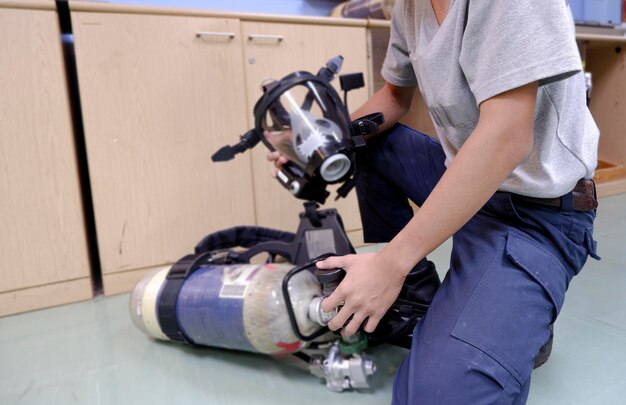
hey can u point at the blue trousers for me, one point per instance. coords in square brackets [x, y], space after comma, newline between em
[510, 267]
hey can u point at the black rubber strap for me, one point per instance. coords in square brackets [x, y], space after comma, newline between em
[368, 123]
[174, 281]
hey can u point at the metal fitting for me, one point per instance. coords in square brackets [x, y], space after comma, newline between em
[342, 373]
[317, 315]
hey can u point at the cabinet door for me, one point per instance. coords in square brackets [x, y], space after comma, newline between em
[273, 50]
[158, 100]
[43, 250]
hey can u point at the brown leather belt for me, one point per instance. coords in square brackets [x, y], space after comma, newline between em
[581, 198]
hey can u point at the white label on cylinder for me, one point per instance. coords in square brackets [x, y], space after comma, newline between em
[236, 280]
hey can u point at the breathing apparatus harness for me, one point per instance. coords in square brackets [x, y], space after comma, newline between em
[225, 248]
[340, 361]
[303, 117]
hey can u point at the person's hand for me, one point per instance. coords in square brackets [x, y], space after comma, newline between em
[367, 291]
[278, 159]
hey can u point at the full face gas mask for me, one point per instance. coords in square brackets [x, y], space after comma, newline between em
[302, 117]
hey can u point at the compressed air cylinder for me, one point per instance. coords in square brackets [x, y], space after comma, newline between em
[238, 307]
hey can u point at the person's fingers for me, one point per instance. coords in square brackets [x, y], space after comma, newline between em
[353, 325]
[371, 323]
[280, 161]
[333, 301]
[273, 155]
[336, 298]
[333, 262]
[340, 319]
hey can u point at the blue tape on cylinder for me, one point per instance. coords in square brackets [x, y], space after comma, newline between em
[208, 319]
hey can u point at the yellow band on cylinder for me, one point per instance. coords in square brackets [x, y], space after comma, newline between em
[148, 304]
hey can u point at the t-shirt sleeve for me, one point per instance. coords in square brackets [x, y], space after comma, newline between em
[397, 68]
[507, 44]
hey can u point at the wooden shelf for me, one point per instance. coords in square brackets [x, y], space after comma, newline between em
[607, 171]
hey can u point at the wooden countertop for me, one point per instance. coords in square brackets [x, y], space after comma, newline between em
[29, 4]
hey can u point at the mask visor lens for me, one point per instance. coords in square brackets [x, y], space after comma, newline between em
[305, 121]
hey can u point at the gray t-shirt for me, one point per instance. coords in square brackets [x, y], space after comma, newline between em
[487, 47]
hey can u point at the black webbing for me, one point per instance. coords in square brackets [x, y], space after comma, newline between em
[166, 311]
[242, 236]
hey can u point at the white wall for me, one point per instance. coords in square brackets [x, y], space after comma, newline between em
[298, 7]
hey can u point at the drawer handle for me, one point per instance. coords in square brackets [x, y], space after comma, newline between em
[202, 34]
[278, 38]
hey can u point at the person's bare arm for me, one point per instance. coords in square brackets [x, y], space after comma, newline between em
[501, 141]
[393, 101]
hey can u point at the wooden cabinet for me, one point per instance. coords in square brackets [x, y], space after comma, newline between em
[161, 91]
[160, 94]
[43, 250]
[605, 58]
[273, 50]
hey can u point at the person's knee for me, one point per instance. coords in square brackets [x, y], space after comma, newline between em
[453, 373]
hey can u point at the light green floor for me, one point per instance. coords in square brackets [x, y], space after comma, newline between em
[90, 353]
